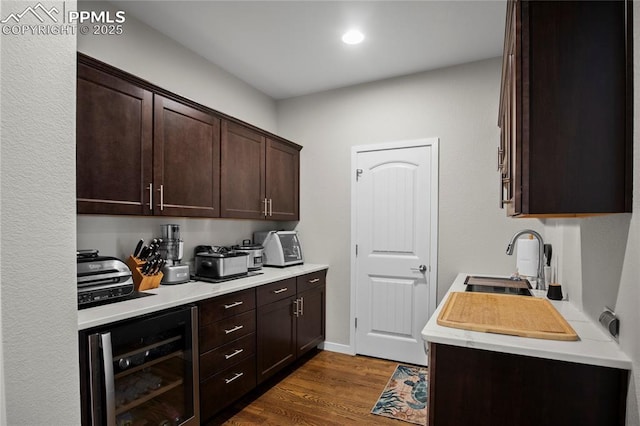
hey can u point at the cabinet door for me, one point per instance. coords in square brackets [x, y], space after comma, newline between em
[221, 390]
[276, 337]
[596, 395]
[310, 330]
[570, 113]
[186, 154]
[242, 178]
[113, 144]
[311, 319]
[282, 181]
[509, 108]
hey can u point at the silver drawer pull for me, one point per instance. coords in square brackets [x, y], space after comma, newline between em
[236, 352]
[233, 305]
[315, 280]
[282, 290]
[236, 377]
[236, 328]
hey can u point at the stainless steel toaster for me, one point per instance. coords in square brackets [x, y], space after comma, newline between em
[281, 248]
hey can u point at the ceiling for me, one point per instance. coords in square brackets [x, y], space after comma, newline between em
[293, 48]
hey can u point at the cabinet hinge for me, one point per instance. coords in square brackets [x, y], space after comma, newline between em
[358, 174]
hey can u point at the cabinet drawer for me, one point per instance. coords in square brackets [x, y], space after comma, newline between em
[225, 306]
[227, 330]
[312, 280]
[220, 390]
[227, 355]
[276, 291]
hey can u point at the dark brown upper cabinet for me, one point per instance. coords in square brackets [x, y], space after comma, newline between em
[142, 150]
[282, 180]
[242, 178]
[260, 175]
[186, 156]
[566, 109]
[114, 129]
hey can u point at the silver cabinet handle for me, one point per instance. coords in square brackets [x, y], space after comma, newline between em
[150, 188]
[302, 306]
[500, 163]
[282, 290]
[161, 190]
[270, 206]
[421, 268]
[236, 377]
[295, 307]
[265, 206]
[233, 305]
[236, 352]
[315, 280]
[234, 329]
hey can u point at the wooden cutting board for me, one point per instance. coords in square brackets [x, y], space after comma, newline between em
[505, 314]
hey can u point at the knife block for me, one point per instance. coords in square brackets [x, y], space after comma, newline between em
[142, 282]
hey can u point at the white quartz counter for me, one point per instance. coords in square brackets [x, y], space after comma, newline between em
[595, 347]
[165, 297]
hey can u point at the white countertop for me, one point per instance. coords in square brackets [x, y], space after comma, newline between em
[595, 347]
[165, 297]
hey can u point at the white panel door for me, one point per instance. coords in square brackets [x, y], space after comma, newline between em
[394, 198]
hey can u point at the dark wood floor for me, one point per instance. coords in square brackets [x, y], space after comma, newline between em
[328, 389]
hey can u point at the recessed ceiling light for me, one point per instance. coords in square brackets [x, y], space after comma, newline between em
[353, 37]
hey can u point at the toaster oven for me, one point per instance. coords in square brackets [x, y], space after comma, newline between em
[281, 248]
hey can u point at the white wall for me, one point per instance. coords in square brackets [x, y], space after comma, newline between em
[3, 410]
[37, 182]
[459, 105]
[602, 258]
[148, 54]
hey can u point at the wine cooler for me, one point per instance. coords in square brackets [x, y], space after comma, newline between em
[142, 371]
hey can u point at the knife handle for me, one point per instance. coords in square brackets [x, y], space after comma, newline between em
[138, 248]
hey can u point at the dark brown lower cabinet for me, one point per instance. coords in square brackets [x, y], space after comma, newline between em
[291, 321]
[227, 350]
[276, 333]
[248, 336]
[479, 387]
[310, 330]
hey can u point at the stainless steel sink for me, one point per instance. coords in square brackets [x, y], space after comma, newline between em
[498, 285]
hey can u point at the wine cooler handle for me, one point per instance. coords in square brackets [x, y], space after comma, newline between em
[100, 348]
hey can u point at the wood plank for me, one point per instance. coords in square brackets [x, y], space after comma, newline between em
[505, 314]
[328, 389]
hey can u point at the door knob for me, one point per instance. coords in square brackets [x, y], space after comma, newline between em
[421, 268]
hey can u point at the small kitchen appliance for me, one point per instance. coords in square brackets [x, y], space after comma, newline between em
[214, 262]
[101, 279]
[254, 251]
[281, 248]
[172, 249]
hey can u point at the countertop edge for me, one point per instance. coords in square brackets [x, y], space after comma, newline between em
[167, 297]
[608, 353]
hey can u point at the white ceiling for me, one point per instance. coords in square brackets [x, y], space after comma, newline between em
[292, 48]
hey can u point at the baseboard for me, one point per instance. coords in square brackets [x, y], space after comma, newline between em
[337, 347]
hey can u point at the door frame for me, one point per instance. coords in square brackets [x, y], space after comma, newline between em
[432, 275]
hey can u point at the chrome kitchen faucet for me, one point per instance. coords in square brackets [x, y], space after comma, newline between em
[540, 278]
